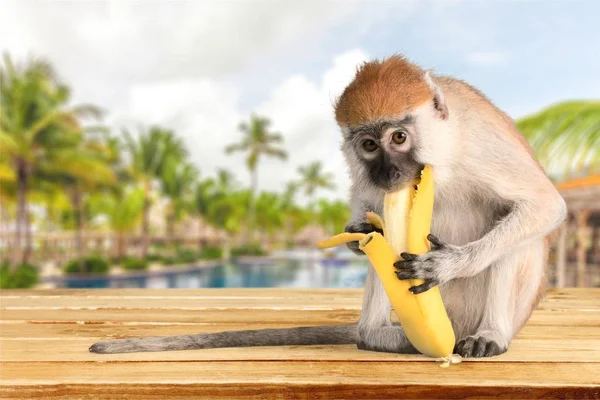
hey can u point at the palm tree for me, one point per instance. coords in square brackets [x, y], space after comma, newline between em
[79, 169]
[313, 178]
[204, 194]
[35, 122]
[257, 141]
[333, 215]
[177, 179]
[123, 208]
[269, 212]
[565, 137]
[148, 156]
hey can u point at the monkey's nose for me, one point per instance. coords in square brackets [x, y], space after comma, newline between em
[394, 173]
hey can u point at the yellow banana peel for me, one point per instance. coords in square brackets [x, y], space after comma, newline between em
[406, 224]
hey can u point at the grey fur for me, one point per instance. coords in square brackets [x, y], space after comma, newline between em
[493, 207]
[337, 334]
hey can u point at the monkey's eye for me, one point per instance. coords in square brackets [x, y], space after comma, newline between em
[399, 137]
[369, 145]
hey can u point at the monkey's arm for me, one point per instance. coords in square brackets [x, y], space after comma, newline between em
[536, 209]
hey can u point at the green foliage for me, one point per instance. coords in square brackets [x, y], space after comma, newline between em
[248, 250]
[168, 260]
[87, 265]
[153, 257]
[123, 208]
[257, 141]
[565, 137]
[313, 178]
[24, 276]
[185, 256]
[38, 129]
[211, 253]
[134, 264]
[333, 215]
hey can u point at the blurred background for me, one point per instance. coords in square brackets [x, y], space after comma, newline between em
[193, 144]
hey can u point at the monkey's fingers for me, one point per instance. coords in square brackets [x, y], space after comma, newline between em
[406, 257]
[428, 284]
[436, 243]
[376, 221]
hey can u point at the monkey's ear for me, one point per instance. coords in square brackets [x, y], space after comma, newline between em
[439, 102]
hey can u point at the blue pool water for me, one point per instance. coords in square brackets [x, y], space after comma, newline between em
[299, 271]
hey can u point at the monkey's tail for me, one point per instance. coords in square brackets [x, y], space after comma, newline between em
[306, 335]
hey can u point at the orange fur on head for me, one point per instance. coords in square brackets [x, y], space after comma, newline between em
[387, 88]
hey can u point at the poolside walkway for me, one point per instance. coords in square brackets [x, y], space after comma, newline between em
[45, 335]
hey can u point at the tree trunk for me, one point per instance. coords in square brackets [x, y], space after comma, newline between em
[582, 217]
[19, 254]
[252, 209]
[561, 256]
[170, 228]
[145, 226]
[77, 204]
[120, 245]
[203, 233]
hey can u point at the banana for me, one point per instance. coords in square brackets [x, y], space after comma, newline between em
[406, 224]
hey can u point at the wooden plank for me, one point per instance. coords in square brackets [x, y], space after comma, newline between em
[9, 302]
[224, 315]
[521, 350]
[302, 379]
[22, 330]
[250, 316]
[183, 303]
[45, 336]
[262, 391]
[247, 293]
[280, 293]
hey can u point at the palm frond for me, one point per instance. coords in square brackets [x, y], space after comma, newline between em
[565, 136]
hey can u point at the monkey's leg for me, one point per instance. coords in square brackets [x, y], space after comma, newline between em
[509, 295]
[375, 329]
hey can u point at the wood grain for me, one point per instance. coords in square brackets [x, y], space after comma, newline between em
[44, 336]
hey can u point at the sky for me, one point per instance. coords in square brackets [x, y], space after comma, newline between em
[202, 67]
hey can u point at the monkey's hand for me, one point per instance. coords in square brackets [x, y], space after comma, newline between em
[359, 227]
[437, 266]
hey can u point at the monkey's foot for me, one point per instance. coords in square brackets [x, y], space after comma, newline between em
[479, 346]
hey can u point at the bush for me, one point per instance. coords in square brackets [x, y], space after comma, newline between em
[132, 263]
[211, 253]
[88, 265]
[24, 276]
[154, 257]
[168, 260]
[185, 256]
[248, 250]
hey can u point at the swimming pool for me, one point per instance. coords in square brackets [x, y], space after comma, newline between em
[298, 271]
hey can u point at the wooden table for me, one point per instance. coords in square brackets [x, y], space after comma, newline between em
[45, 337]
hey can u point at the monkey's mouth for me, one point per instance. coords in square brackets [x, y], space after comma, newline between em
[402, 183]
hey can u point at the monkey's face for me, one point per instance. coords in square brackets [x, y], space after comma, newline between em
[385, 152]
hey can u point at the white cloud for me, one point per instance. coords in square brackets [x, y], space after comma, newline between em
[487, 58]
[169, 63]
[303, 111]
[206, 113]
[103, 48]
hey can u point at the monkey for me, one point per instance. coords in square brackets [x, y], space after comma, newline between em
[493, 210]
